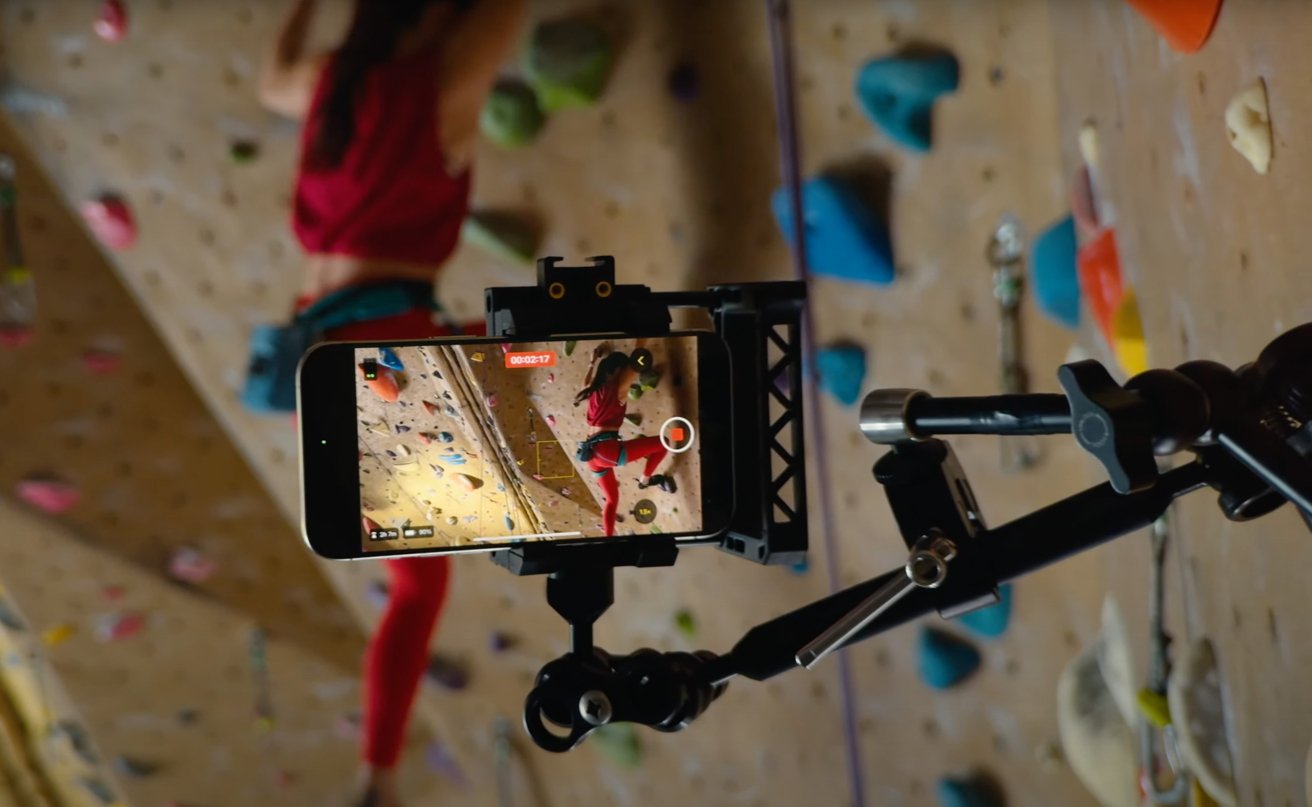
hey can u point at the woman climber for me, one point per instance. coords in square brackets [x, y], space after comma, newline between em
[609, 377]
[390, 126]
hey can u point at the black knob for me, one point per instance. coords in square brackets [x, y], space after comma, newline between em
[1110, 423]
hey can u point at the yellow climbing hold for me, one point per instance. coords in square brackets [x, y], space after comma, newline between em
[1154, 708]
[1248, 126]
[58, 634]
[1198, 796]
[1127, 336]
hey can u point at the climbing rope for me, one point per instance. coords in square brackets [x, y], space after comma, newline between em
[781, 55]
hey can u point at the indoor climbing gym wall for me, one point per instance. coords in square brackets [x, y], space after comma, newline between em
[989, 189]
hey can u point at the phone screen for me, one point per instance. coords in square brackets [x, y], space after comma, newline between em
[464, 445]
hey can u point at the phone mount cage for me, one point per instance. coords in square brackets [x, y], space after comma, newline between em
[1249, 430]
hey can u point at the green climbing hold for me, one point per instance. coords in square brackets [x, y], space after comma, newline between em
[686, 624]
[243, 151]
[511, 117]
[567, 63]
[635, 392]
[570, 345]
[619, 743]
[503, 235]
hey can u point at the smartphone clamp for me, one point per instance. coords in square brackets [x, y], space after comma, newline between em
[759, 323]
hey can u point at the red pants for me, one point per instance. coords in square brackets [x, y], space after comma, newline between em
[613, 453]
[397, 656]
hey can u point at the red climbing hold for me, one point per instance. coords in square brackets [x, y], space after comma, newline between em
[15, 337]
[431, 408]
[49, 495]
[383, 384]
[1100, 280]
[1184, 24]
[113, 627]
[112, 22]
[111, 221]
[370, 526]
[101, 362]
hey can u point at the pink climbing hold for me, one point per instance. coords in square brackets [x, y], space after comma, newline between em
[49, 495]
[551, 378]
[551, 420]
[112, 22]
[492, 400]
[190, 566]
[101, 362]
[113, 627]
[110, 220]
[430, 407]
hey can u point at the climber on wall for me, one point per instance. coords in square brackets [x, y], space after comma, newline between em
[607, 384]
[390, 127]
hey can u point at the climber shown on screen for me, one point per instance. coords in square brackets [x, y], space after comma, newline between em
[605, 387]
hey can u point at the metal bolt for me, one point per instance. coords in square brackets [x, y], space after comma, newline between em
[595, 707]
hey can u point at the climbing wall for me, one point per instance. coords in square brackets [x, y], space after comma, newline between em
[678, 191]
[1212, 249]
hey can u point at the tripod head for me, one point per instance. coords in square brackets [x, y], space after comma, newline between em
[1249, 429]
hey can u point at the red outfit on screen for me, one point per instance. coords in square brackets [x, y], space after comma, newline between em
[390, 199]
[606, 411]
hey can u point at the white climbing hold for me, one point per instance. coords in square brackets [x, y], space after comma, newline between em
[1198, 710]
[1116, 660]
[1248, 126]
[1089, 146]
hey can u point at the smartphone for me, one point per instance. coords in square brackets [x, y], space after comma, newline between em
[476, 444]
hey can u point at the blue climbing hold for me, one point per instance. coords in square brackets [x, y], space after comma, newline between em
[945, 660]
[952, 792]
[844, 239]
[1054, 275]
[801, 567]
[990, 622]
[390, 360]
[897, 93]
[842, 370]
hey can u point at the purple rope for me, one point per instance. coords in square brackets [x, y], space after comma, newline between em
[781, 51]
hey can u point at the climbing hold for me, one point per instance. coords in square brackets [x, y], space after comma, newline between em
[447, 673]
[478, 357]
[844, 238]
[1099, 268]
[686, 623]
[801, 567]
[975, 791]
[431, 408]
[683, 81]
[99, 790]
[1184, 26]
[1154, 708]
[112, 21]
[511, 117]
[134, 768]
[58, 634]
[438, 471]
[633, 417]
[401, 428]
[452, 520]
[380, 428]
[619, 743]
[551, 378]
[1084, 205]
[9, 619]
[635, 392]
[453, 459]
[510, 523]
[101, 362]
[469, 482]
[388, 358]
[383, 384]
[243, 151]
[112, 627]
[842, 370]
[570, 344]
[446, 437]
[1197, 706]
[1053, 273]
[492, 400]
[991, 621]
[370, 526]
[504, 235]
[440, 760]
[567, 63]
[188, 716]
[500, 641]
[110, 220]
[190, 566]
[944, 660]
[565, 492]
[1090, 146]
[551, 419]
[426, 438]
[1127, 335]
[49, 495]
[402, 450]
[1248, 126]
[898, 93]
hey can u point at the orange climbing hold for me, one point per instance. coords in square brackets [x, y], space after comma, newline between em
[383, 384]
[1100, 280]
[1184, 24]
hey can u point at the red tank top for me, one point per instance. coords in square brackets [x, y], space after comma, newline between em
[605, 409]
[391, 197]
